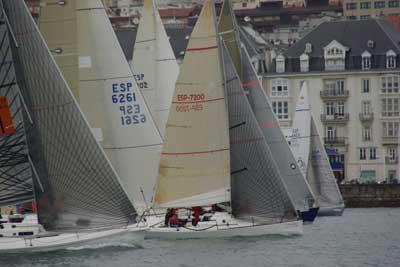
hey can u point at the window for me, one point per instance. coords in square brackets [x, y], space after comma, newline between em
[281, 109]
[351, 6]
[363, 153]
[394, 3]
[390, 129]
[379, 4]
[280, 64]
[390, 107]
[390, 84]
[367, 134]
[330, 108]
[392, 153]
[372, 153]
[366, 61]
[330, 133]
[365, 17]
[340, 108]
[351, 17]
[390, 59]
[335, 87]
[366, 107]
[279, 87]
[365, 5]
[365, 85]
[304, 63]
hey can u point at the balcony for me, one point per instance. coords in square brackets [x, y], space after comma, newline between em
[366, 117]
[337, 118]
[335, 141]
[329, 94]
[390, 140]
[391, 160]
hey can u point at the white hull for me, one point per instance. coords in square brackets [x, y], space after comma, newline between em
[129, 235]
[234, 228]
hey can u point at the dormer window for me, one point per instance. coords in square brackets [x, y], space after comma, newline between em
[308, 49]
[366, 60]
[304, 63]
[280, 64]
[335, 56]
[390, 59]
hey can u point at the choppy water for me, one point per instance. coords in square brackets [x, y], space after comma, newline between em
[362, 237]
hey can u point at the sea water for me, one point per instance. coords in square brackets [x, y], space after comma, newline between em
[361, 237]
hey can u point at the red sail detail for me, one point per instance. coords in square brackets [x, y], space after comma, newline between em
[6, 125]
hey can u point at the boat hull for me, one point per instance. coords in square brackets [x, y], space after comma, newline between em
[242, 229]
[331, 211]
[310, 215]
[128, 235]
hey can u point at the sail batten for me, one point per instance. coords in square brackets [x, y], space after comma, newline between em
[195, 158]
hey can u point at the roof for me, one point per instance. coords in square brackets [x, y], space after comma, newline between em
[352, 34]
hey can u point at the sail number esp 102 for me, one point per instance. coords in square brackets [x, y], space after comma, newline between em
[125, 98]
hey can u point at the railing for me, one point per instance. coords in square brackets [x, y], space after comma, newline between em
[334, 94]
[366, 116]
[339, 141]
[391, 160]
[390, 140]
[339, 118]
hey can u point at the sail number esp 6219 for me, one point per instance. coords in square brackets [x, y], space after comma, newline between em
[125, 98]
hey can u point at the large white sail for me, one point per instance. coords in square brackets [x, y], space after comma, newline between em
[114, 106]
[154, 64]
[194, 168]
[301, 130]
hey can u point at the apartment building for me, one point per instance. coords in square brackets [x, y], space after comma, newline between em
[353, 73]
[366, 9]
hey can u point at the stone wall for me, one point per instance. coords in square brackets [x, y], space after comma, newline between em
[371, 195]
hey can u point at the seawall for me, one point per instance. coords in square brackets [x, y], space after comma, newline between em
[371, 195]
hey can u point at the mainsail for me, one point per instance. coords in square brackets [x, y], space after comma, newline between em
[154, 65]
[76, 187]
[298, 188]
[194, 168]
[110, 99]
[15, 171]
[258, 192]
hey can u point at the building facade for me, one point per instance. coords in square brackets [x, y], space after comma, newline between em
[353, 70]
[366, 9]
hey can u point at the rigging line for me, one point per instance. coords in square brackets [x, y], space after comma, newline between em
[196, 102]
[36, 174]
[194, 152]
[130, 147]
[107, 78]
[9, 28]
[237, 125]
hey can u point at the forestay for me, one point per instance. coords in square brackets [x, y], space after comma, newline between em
[296, 184]
[258, 192]
[154, 64]
[76, 188]
[194, 169]
[15, 171]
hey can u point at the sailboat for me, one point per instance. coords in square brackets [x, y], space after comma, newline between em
[196, 171]
[299, 190]
[154, 64]
[80, 199]
[312, 159]
[85, 47]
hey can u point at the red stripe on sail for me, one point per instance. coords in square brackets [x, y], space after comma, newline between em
[251, 83]
[269, 126]
[200, 101]
[202, 48]
[195, 152]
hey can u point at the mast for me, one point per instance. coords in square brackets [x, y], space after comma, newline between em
[111, 100]
[154, 64]
[195, 168]
[76, 187]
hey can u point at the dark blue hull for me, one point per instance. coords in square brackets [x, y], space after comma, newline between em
[309, 216]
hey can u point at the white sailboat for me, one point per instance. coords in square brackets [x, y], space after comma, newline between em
[154, 64]
[93, 62]
[78, 193]
[312, 158]
[197, 171]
